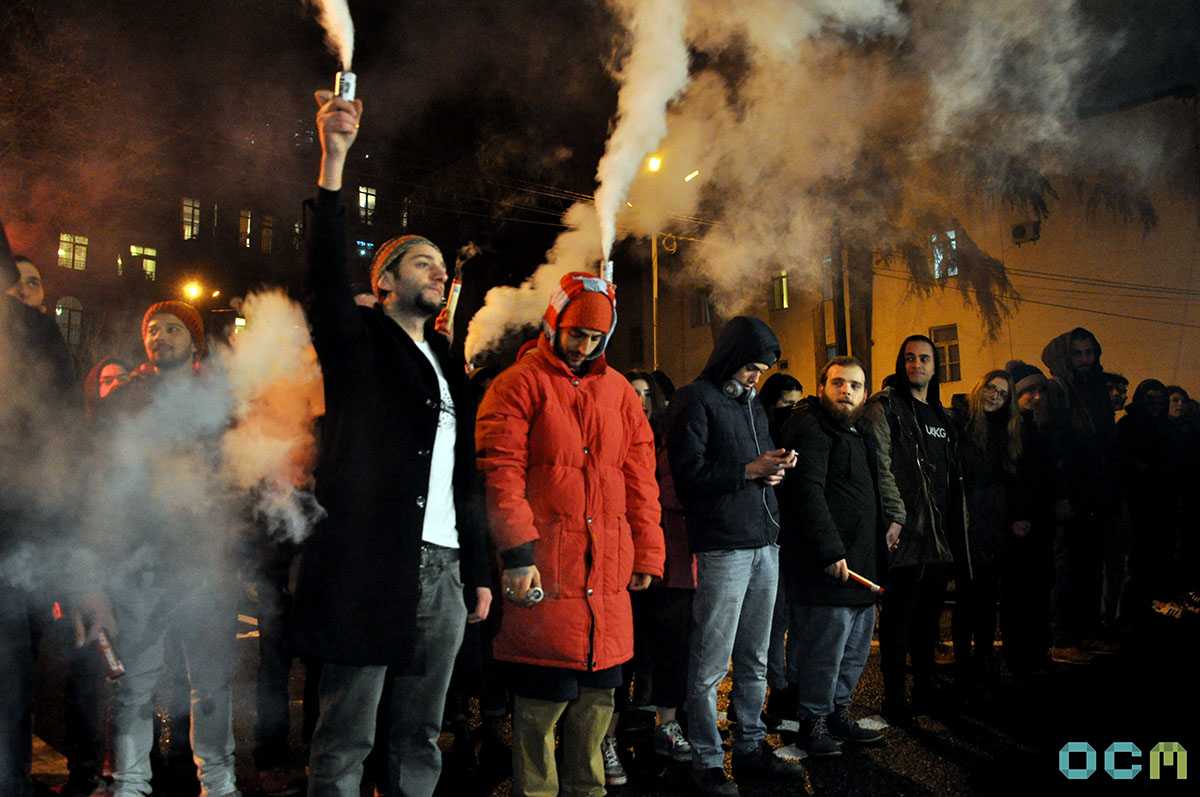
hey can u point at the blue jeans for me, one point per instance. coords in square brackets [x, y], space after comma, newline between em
[731, 617]
[205, 620]
[837, 642]
[350, 698]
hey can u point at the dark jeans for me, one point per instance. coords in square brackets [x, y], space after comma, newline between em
[908, 625]
[974, 619]
[1078, 555]
[1026, 579]
[86, 693]
[837, 643]
[16, 672]
[274, 665]
[670, 613]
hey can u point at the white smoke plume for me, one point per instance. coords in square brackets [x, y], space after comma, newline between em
[653, 74]
[334, 17]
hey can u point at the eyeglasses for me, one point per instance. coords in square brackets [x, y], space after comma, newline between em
[996, 391]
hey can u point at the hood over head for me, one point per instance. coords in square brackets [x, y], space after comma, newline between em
[91, 382]
[898, 379]
[743, 340]
[1137, 405]
[1057, 354]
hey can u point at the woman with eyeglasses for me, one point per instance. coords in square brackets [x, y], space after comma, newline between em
[990, 435]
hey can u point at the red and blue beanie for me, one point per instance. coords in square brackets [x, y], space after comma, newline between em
[390, 253]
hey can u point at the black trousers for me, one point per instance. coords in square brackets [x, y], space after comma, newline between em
[16, 673]
[1026, 579]
[908, 625]
[974, 619]
[670, 611]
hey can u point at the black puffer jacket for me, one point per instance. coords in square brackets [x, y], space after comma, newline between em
[831, 508]
[712, 437]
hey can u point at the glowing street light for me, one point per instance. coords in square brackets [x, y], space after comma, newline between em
[193, 290]
[216, 294]
[692, 176]
[654, 163]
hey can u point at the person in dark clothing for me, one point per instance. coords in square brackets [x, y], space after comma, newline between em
[1147, 480]
[833, 523]
[1026, 558]
[665, 385]
[725, 468]
[780, 394]
[921, 488]
[990, 448]
[1088, 502]
[379, 585]
[39, 385]
[1118, 390]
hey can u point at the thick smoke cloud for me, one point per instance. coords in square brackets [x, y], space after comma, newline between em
[880, 118]
[212, 460]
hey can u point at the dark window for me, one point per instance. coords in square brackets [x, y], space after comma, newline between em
[945, 347]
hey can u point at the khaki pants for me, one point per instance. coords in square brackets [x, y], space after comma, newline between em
[585, 720]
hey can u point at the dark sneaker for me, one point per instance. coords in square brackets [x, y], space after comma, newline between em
[897, 713]
[614, 771]
[762, 764]
[669, 741]
[1100, 647]
[817, 740]
[843, 727]
[712, 783]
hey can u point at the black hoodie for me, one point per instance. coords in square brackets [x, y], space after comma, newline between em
[711, 438]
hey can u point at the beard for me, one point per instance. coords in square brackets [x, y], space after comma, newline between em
[426, 305]
[843, 412]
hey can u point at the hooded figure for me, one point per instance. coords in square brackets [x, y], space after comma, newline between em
[568, 459]
[715, 429]
[725, 467]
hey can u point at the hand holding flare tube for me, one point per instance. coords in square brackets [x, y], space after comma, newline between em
[865, 582]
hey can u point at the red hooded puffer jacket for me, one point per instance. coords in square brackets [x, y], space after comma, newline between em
[569, 465]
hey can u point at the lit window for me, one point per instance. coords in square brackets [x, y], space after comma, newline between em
[120, 266]
[779, 292]
[268, 235]
[244, 229]
[149, 257]
[297, 235]
[945, 254]
[68, 312]
[190, 215]
[72, 251]
[239, 324]
[365, 249]
[945, 349]
[366, 205]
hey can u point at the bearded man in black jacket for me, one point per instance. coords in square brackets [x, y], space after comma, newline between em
[833, 523]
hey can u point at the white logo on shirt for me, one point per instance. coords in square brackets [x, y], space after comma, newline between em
[936, 431]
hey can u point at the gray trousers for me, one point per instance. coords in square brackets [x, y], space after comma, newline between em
[350, 696]
[837, 642]
[731, 617]
[205, 621]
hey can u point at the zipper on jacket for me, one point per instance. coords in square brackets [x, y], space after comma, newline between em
[589, 556]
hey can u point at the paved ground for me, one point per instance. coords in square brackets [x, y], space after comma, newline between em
[1003, 742]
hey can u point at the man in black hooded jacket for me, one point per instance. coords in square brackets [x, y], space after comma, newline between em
[921, 490]
[725, 467]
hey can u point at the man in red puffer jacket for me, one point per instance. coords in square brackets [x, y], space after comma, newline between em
[573, 506]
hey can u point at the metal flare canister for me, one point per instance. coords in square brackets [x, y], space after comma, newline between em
[345, 86]
[113, 664]
[452, 301]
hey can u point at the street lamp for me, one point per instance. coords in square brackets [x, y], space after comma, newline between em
[654, 163]
[192, 290]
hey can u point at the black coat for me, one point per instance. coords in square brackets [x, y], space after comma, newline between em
[831, 509]
[712, 437]
[356, 600]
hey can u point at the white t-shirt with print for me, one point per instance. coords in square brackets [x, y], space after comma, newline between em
[441, 522]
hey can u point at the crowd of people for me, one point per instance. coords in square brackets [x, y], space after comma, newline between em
[560, 540]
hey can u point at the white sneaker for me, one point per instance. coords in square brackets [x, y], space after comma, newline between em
[614, 771]
[670, 741]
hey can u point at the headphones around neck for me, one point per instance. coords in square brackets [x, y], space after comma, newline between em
[738, 392]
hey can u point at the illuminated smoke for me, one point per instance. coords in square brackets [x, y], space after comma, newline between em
[655, 71]
[334, 16]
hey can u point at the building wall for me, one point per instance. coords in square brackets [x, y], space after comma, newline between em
[1074, 244]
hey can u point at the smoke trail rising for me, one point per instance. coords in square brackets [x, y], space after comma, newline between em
[334, 16]
[653, 74]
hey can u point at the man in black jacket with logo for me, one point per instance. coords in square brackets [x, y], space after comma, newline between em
[380, 590]
[921, 488]
[725, 468]
[832, 524]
